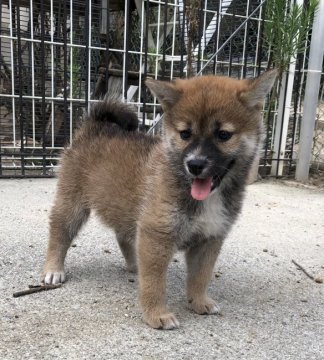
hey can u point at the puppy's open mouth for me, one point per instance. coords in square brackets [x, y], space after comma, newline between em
[201, 188]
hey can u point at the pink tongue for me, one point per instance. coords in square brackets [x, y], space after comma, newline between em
[201, 188]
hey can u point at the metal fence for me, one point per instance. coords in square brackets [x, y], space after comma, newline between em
[58, 57]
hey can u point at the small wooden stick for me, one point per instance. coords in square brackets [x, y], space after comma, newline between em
[317, 280]
[36, 288]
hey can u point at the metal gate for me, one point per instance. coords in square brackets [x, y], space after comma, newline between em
[58, 57]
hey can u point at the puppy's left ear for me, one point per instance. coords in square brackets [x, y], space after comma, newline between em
[166, 92]
[259, 88]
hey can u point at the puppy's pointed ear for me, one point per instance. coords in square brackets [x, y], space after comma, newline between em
[259, 88]
[166, 92]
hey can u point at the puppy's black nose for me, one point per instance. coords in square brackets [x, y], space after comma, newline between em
[196, 166]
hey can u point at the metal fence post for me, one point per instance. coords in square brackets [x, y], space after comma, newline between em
[311, 94]
[284, 105]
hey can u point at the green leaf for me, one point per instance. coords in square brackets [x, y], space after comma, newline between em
[286, 30]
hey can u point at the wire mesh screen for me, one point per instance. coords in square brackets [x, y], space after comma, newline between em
[59, 57]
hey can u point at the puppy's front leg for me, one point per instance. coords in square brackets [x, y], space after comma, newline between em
[154, 255]
[200, 261]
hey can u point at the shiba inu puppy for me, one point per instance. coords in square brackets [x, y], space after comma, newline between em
[181, 191]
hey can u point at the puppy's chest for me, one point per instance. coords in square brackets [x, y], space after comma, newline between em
[212, 221]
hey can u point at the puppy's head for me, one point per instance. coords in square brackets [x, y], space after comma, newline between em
[210, 123]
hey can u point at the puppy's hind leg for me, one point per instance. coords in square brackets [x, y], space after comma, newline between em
[66, 220]
[127, 247]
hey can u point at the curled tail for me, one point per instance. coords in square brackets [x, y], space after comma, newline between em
[107, 112]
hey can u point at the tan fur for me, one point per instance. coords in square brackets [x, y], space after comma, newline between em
[128, 181]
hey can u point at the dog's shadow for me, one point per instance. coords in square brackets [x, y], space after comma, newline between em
[236, 287]
[102, 271]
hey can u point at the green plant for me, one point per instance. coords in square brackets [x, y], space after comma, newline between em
[286, 33]
[286, 30]
[75, 69]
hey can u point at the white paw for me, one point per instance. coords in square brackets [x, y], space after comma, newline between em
[204, 306]
[214, 309]
[52, 278]
[169, 322]
[165, 321]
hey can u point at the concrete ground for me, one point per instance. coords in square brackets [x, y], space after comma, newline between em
[270, 309]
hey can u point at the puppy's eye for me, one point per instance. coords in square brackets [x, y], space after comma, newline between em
[224, 135]
[185, 134]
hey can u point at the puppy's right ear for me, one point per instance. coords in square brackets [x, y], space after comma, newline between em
[166, 92]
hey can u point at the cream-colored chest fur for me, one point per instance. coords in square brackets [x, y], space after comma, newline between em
[213, 220]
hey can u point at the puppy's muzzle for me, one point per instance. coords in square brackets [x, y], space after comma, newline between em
[196, 166]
